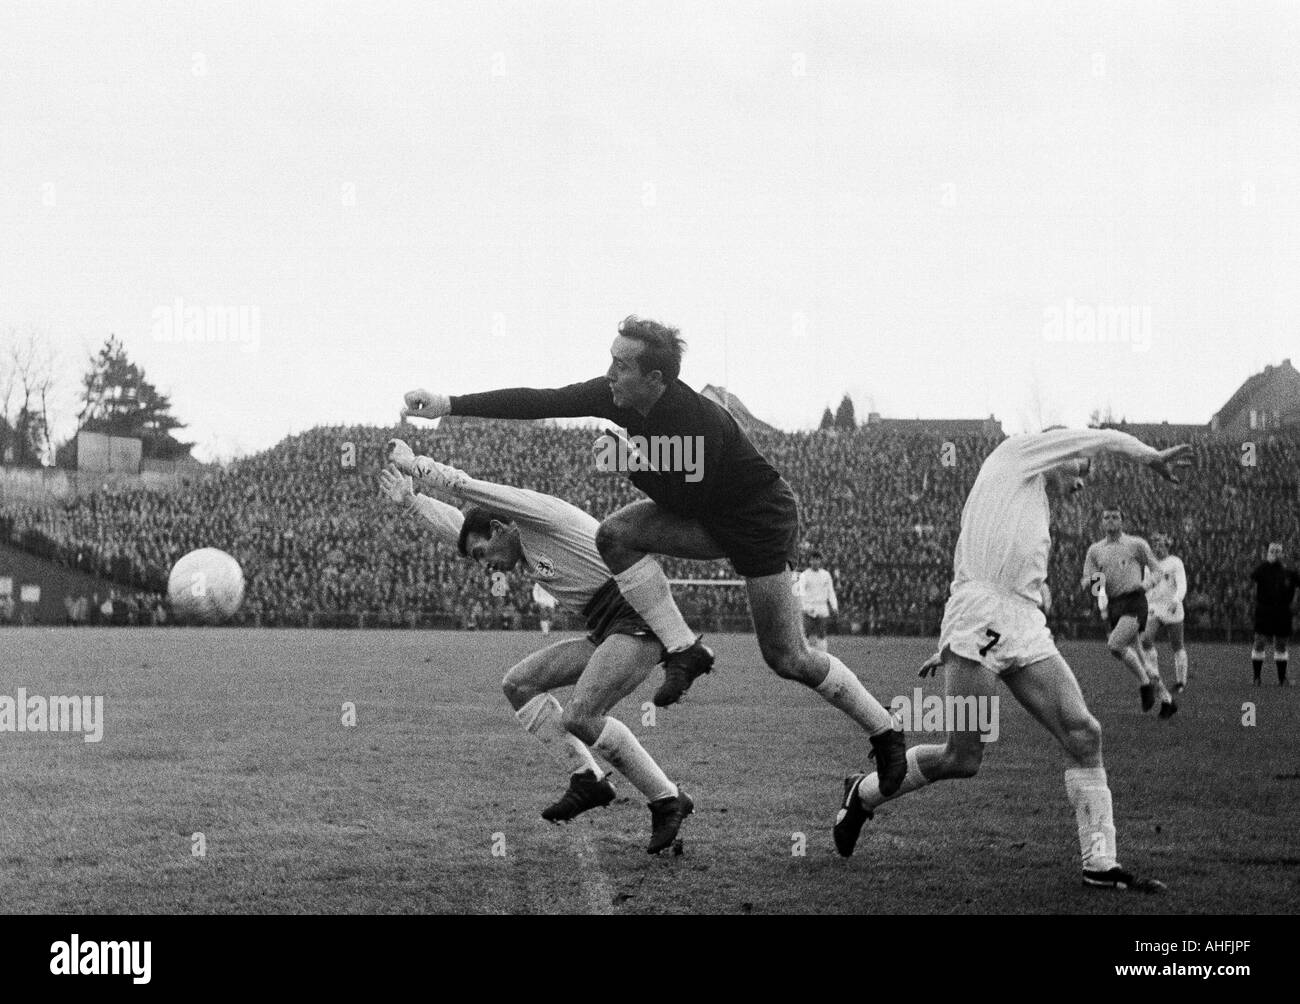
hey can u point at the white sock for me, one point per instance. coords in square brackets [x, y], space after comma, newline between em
[1090, 795]
[645, 587]
[869, 790]
[543, 718]
[1153, 662]
[846, 692]
[626, 754]
[1180, 666]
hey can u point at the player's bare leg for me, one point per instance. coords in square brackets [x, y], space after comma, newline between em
[1049, 691]
[627, 541]
[1280, 658]
[960, 756]
[527, 687]
[778, 623]
[1150, 654]
[618, 667]
[1123, 645]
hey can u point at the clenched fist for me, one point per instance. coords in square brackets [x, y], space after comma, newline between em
[425, 404]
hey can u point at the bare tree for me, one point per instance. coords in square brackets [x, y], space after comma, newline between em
[27, 376]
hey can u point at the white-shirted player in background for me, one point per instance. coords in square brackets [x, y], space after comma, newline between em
[816, 591]
[993, 628]
[545, 607]
[556, 542]
[1166, 587]
[1115, 567]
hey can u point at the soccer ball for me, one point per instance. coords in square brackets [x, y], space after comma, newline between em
[206, 586]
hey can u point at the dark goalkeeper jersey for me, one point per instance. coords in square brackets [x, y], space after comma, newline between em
[1275, 585]
[732, 470]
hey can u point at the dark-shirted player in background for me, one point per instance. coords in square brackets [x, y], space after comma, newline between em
[1275, 587]
[731, 504]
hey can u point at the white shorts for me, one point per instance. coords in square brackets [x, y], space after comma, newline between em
[996, 628]
[1166, 613]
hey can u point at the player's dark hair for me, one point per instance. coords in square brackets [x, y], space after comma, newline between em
[814, 554]
[478, 522]
[1116, 508]
[662, 346]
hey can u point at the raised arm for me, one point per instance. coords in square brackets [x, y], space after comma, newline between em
[1040, 452]
[574, 401]
[517, 503]
[445, 519]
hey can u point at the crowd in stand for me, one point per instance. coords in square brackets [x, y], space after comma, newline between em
[318, 543]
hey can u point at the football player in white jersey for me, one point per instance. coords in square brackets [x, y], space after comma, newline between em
[1166, 587]
[816, 591]
[556, 542]
[994, 629]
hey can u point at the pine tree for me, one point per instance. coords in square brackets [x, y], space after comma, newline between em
[844, 418]
[828, 421]
[119, 400]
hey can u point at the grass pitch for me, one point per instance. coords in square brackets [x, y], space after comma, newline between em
[430, 803]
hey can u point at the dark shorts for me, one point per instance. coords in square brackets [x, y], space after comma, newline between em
[1273, 623]
[814, 627]
[1132, 604]
[609, 613]
[759, 535]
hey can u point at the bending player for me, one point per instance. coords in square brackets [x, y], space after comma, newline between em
[726, 502]
[993, 628]
[1275, 587]
[1116, 565]
[1166, 588]
[556, 542]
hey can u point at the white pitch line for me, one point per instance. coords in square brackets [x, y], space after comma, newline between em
[596, 888]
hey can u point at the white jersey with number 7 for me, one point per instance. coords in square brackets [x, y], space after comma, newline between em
[1005, 525]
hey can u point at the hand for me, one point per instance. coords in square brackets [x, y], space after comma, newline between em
[425, 404]
[1171, 462]
[931, 666]
[396, 485]
[401, 456]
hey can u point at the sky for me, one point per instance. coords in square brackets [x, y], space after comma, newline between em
[1031, 210]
